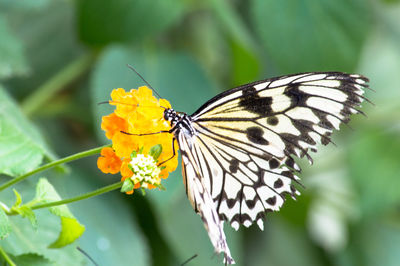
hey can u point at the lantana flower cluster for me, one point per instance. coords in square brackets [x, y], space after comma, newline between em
[138, 157]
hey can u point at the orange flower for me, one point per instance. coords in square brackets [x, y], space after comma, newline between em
[108, 162]
[137, 112]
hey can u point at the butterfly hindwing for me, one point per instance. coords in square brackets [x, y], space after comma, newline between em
[245, 182]
[200, 198]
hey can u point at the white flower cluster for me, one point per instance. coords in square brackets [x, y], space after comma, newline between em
[145, 170]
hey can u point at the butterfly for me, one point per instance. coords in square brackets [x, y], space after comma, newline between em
[238, 148]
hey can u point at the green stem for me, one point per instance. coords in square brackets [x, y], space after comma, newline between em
[6, 257]
[57, 83]
[74, 199]
[52, 164]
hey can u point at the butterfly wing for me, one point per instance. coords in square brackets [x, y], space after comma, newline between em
[200, 197]
[246, 138]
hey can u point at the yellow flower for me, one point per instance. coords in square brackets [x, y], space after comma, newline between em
[137, 112]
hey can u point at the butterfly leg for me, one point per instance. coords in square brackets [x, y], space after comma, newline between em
[145, 134]
[173, 152]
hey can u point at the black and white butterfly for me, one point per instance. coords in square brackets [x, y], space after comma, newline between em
[238, 148]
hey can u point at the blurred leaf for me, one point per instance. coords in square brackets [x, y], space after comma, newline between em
[32, 259]
[245, 65]
[234, 24]
[34, 25]
[312, 35]
[375, 242]
[281, 244]
[18, 198]
[28, 5]
[27, 212]
[24, 210]
[12, 60]
[102, 21]
[71, 229]
[380, 62]
[112, 236]
[28, 240]
[127, 185]
[102, 240]
[374, 167]
[155, 151]
[5, 226]
[21, 146]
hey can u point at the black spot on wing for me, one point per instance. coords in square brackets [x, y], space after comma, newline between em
[231, 203]
[271, 200]
[255, 135]
[278, 183]
[297, 97]
[252, 102]
[273, 163]
[251, 203]
[234, 165]
[272, 121]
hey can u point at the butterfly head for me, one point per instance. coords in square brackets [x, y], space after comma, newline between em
[172, 116]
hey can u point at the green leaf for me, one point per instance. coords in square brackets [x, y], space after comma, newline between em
[18, 199]
[5, 226]
[133, 154]
[102, 242]
[27, 212]
[22, 148]
[312, 35]
[155, 151]
[71, 229]
[12, 59]
[101, 21]
[28, 240]
[127, 185]
[31, 259]
[141, 150]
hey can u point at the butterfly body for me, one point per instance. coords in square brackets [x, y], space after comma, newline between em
[238, 148]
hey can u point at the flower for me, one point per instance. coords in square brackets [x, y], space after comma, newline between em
[138, 112]
[108, 162]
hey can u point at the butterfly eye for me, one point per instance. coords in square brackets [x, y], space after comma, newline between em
[167, 115]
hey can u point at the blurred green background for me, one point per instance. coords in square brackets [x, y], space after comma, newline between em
[59, 58]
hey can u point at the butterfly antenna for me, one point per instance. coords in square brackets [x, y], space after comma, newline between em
[140, 76]
[87, 255]
[189, 259]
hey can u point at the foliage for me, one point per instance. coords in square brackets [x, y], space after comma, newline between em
[59, 59]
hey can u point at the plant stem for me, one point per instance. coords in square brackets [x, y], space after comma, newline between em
[6, 257]
[81, 197]
[57, 83]
[52, 164]
[74, 199]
